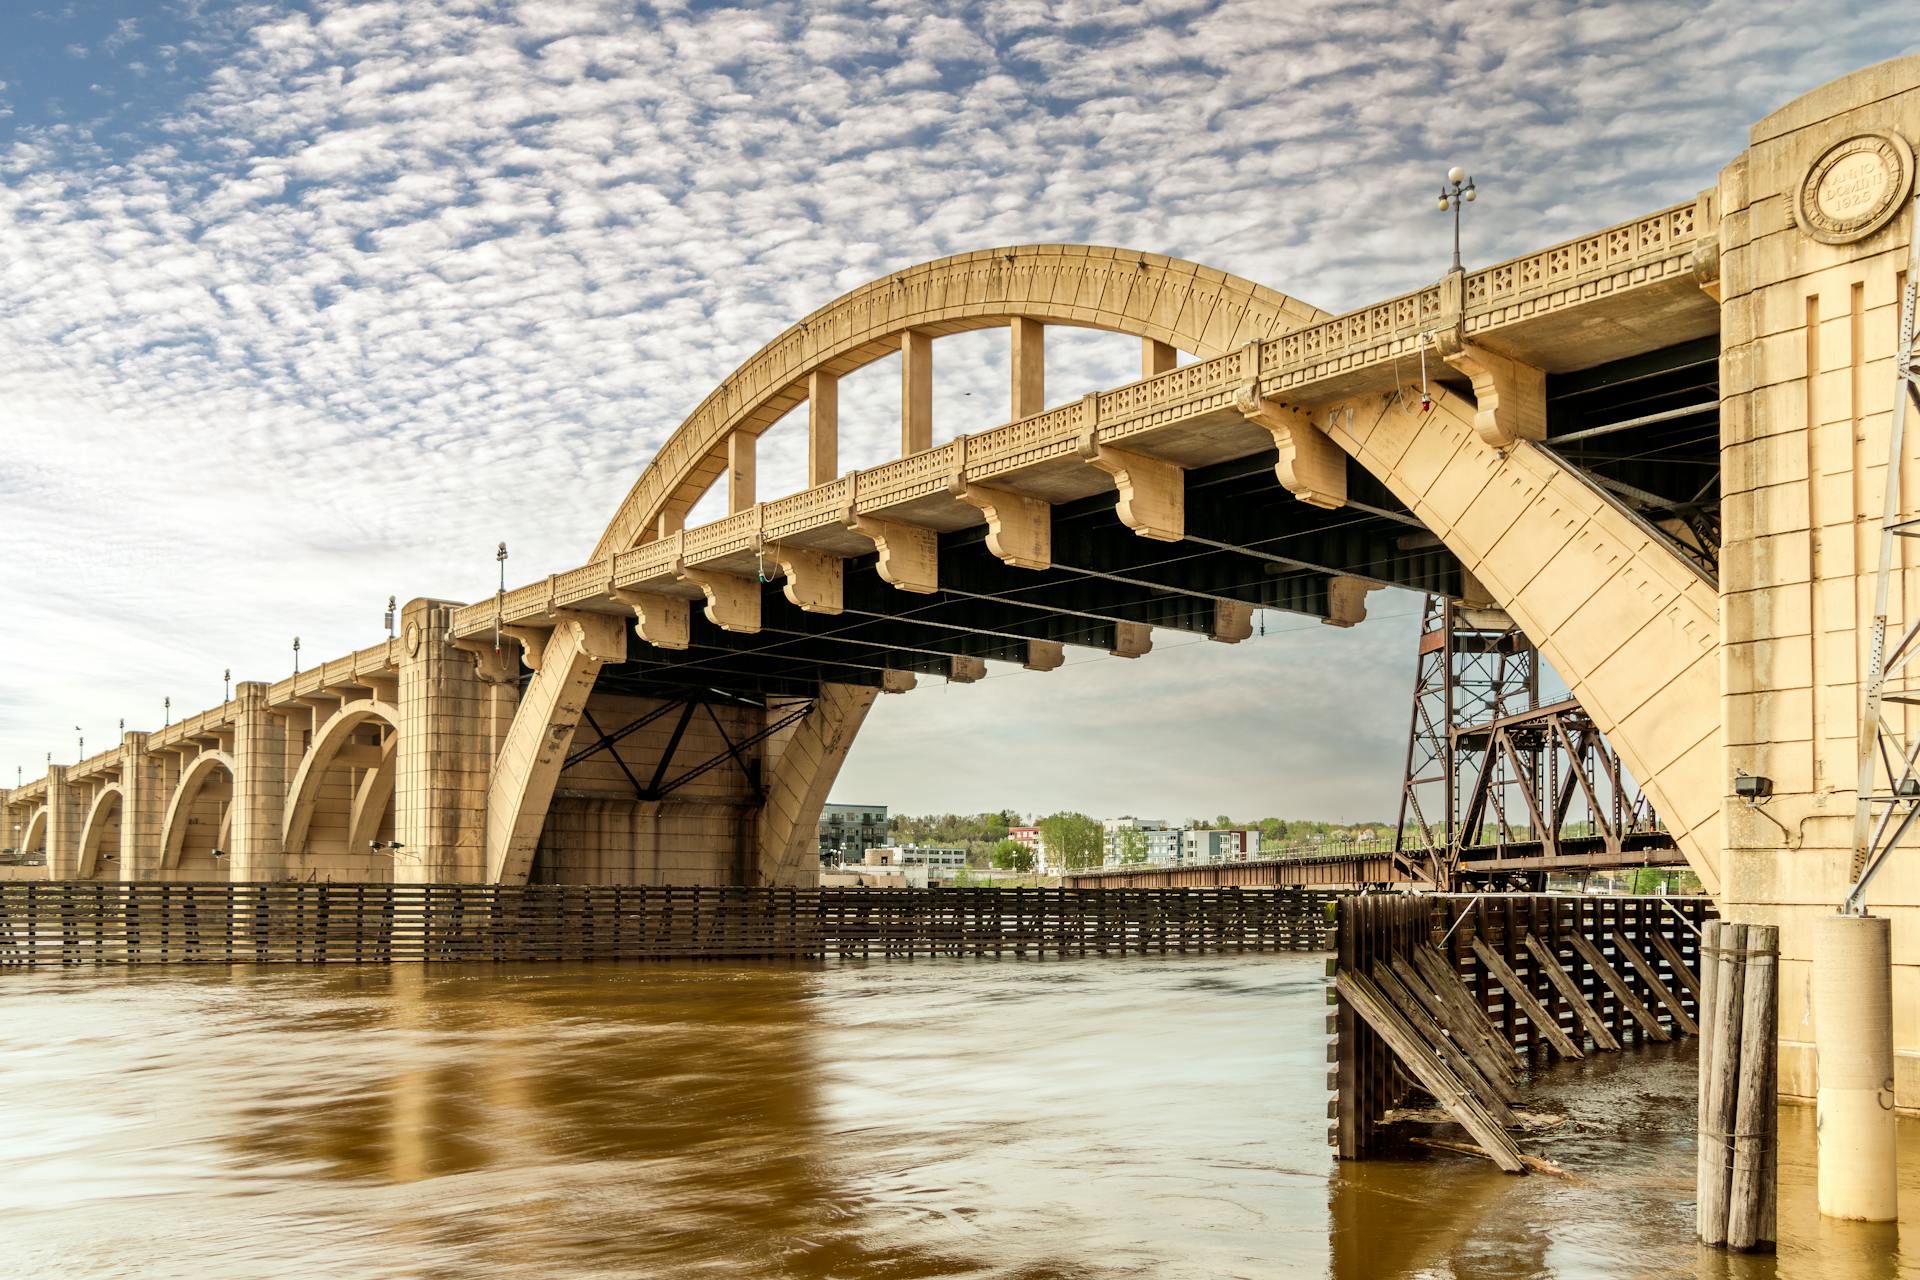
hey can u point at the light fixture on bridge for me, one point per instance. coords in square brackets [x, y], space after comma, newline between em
[83, 742]
[226, 684]
[1751, 787]
[166, 716]
[296, 655]
[1458, 191]
[217, 853]
[500, 596]
[389, 617]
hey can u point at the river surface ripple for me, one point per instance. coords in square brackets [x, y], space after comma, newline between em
[1137, 1116]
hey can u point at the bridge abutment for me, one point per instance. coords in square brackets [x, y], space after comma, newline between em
[1809, 314]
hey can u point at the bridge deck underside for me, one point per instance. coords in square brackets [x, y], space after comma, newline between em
[1247, 540]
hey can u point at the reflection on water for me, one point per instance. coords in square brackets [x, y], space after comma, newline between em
[1095, 1118]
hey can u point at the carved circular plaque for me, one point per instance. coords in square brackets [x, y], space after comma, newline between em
[1855, 187]
[413, 639]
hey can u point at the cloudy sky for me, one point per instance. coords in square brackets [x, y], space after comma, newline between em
[307, 304]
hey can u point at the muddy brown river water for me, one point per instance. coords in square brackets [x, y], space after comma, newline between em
[1151, 1117]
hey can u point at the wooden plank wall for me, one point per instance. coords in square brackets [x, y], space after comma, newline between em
[93, 923]
[1366, 1080]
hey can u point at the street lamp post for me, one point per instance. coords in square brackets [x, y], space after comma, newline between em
[1459, 190]
[500, 596]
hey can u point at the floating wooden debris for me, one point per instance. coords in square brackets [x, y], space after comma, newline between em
[1534, 1163]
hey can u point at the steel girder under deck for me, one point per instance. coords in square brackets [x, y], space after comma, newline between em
[1247, 541]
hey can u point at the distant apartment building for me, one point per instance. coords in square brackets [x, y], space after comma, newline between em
[1131, 839]
[936, 864]
[847, 831]
[1029, 839]
[1219, 844]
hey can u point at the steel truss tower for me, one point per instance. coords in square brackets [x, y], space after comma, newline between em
[1888, 786]
[1499, 787]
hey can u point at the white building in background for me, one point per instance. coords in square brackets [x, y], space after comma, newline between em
[1219, 844]
[1129, 837]
[1171, 846]
[934, 864]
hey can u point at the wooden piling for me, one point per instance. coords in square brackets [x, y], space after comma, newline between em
[1678, 964]
[1751, 1197]
[1622, 993]
[1722, 1082]
[1709, 987]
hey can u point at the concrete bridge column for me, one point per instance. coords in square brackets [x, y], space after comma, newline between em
[66, 814]
[455, 709]
[264, 757]
[823, 428]
[1813, 242]
[143, 807]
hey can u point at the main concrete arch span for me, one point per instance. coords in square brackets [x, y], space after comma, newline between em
[1171, 304]
[1293, 467]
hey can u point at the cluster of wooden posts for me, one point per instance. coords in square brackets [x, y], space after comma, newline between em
[106, 922]
[1739, 1029]
[1455, 995]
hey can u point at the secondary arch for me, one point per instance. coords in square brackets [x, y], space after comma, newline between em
[36, 836]
[103, 817]
[202, 769]
[333, 737]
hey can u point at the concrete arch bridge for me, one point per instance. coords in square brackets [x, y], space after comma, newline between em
[1655, 447]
